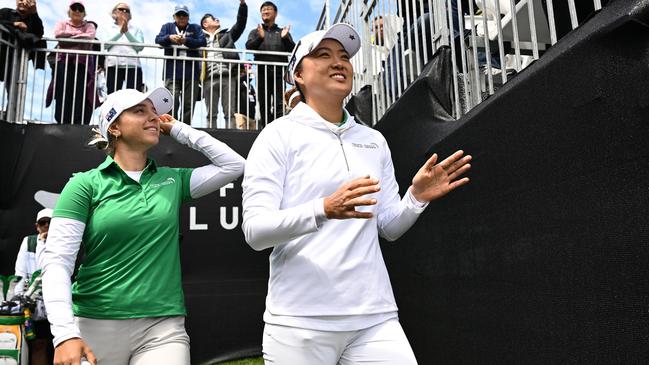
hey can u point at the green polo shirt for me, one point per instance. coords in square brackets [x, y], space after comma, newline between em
[132, 263]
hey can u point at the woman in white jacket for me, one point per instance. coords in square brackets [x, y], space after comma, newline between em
[319, 189]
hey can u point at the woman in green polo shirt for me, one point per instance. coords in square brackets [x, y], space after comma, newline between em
[127, 306]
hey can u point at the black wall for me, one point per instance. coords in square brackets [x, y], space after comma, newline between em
[544, 256]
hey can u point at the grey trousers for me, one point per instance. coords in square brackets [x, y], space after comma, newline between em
[220, 86]
[139, 341]
[185, 93]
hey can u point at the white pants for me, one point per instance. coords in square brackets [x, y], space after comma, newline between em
[384, 344]
[139, 341]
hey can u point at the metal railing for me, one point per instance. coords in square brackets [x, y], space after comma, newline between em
[213, 92]
[490, 41]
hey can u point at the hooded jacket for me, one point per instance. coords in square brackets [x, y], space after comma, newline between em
[320, 266]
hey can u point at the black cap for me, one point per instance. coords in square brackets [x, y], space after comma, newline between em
[207, 15]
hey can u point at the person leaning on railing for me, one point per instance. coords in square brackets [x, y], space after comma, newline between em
[24, 25]
[181, 76]
[73, 81]
[220, 79]
[120, 70]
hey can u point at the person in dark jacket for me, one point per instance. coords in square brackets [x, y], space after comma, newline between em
[270, 83]
[24, 25]
[220, 79]
[182, 76]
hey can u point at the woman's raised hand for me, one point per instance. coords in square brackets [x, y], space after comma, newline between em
[434, 180]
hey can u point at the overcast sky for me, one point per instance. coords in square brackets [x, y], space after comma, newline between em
[149, 15]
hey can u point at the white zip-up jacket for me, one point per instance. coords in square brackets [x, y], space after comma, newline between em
[320, 266]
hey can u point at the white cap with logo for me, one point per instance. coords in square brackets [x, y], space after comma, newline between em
[341, 32]
[123, 99]
[44, 213]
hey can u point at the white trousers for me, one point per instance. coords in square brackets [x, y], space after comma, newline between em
[384, 344]
[139, 341]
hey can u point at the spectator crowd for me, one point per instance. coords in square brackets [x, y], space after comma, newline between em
[201, 62]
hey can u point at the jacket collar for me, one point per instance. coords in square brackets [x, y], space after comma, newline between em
[211, 35]
[304, 114]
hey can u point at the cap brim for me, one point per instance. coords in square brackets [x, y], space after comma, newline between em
[344, 33]
[161, 99]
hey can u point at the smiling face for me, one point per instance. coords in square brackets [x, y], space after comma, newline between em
[268, 14]
[326, 72]
[122, 9]
[137, 127]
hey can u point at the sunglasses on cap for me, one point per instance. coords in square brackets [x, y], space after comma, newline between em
[43, 222]
[124, 10]
[77, 7]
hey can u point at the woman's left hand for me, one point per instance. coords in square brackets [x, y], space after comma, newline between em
[433, 181]
[166, 122]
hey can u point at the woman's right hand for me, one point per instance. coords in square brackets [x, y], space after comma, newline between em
[70, 352]
[343, 202]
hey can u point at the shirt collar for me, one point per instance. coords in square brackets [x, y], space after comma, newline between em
[150, 164]
[302, 113]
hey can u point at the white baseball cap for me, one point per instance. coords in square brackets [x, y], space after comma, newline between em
[341, 32]
[44, 213]
[123, 99]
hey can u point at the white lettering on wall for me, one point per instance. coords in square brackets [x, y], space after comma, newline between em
[193, 226]
[222, 191]
[235, 218]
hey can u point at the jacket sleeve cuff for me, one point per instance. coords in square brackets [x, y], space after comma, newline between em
[413, 204]
[319, 212]
[68, 335]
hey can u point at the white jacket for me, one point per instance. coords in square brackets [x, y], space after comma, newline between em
[27, 263]
[321, 267]
[130, 52]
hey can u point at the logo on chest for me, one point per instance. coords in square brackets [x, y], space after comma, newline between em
[168, 181]
[371, 146]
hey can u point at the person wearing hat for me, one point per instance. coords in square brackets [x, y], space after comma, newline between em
[41, 351]
[73, 81]
[268, 36]
[319, 189]
[181, 39]
[25, 26]
[220, 80]
[127, 305]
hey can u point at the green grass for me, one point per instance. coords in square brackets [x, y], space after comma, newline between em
[249, 361]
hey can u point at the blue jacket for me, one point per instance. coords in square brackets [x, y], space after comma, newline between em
[194, 39]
